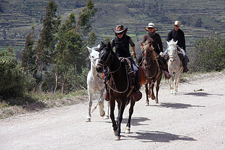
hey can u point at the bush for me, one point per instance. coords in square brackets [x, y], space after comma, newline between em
[208, 54]
[12, 81]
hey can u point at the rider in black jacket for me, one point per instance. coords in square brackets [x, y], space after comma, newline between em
[178, 35]
[121, 42]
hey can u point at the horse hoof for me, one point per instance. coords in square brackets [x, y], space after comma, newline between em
[106, 116]
[102, 114]
[127, 131]
[115, 133]
[88, 119]
[147, 104]
[117, 138]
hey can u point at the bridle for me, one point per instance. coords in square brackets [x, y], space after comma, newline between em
[174, 55]
[107, 62]
[148, 60]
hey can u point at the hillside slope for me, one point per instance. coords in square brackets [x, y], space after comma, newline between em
[198, 18]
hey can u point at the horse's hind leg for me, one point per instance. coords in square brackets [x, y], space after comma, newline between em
[101, 104]
[107, 112]
[157, 90]
[131, 110]
[147, 92]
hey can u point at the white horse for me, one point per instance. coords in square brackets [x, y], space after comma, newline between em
[174, 65]
[95, 84]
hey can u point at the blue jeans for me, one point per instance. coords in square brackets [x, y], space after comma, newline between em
[135, 69]
[184, 54]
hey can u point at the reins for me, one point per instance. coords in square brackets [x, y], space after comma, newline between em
[149, 65]
[126, 78]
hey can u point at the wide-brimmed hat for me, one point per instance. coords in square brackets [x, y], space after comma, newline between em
[119, 29]
[177, 23]
[151, 25]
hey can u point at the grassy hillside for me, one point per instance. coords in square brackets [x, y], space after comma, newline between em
[198, 18]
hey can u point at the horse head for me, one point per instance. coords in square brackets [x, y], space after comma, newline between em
[172, 50]
[105, 56]
[147, 53]
[93, 54]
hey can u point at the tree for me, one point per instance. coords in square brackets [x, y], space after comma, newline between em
[199, 23]
[46, 43]
[71, 50]
[28, 54]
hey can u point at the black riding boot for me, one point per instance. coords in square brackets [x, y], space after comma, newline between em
[185, 64]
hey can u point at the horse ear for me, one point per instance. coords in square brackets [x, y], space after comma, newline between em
[109, 45]
[89, 49]
[167, 42]
[176, 42]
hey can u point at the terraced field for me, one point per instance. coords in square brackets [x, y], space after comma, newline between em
[17, 17]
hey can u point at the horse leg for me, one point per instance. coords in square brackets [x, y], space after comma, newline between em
[152, 91]
[178, 77]
[112, 117]
[90, 95]
[157, 89]
[101, 104]
[107, 112]
[131, 110]
[120, 118]
[171, 83]
[146, 92]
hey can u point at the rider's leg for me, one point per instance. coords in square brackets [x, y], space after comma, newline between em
[184, 61]
[165, 67]
[165, 52]
[137, 94]
[140, 60]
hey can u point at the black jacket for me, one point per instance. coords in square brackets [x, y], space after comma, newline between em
[177, 36]
[157, 42]
[122, 45]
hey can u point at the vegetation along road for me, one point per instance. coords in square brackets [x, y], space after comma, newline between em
[193, 119]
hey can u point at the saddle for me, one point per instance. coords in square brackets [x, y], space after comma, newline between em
[130, 70]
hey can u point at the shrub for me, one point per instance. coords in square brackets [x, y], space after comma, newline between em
[12, 81]
[208, 54]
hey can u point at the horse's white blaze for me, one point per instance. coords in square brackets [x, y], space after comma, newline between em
[94, 83]
[174, 66]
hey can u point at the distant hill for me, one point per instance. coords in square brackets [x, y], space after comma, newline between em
[198, 18]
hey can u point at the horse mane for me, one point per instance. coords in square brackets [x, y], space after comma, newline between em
[172, 43]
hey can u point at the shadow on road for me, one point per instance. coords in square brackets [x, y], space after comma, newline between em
[157, 136]
[135, 121]
[202, 94]
[177, 105]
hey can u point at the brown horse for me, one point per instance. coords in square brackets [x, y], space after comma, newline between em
[120, 86]
[153, 72]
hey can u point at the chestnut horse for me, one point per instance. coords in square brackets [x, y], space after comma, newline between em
[120, 86]
[153, 72]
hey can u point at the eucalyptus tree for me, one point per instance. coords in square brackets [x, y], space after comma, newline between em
[71, 53]
[46, 43]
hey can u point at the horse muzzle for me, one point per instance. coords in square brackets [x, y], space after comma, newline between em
[172, 59]
[99, 68]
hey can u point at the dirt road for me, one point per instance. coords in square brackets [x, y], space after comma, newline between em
[194, 119]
